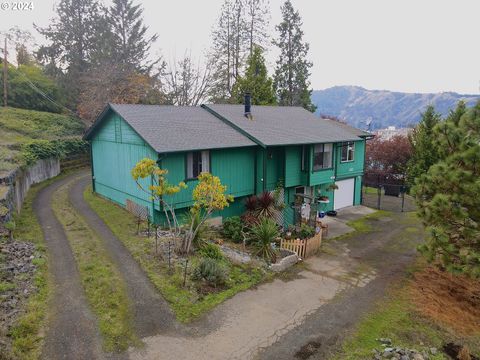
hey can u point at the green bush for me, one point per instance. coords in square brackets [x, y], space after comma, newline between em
[262, 236]
[211, 271]
[232, 228]
[306, 231]
[211, 251]
[60, 148]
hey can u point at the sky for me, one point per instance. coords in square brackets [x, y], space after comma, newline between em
[400, 45]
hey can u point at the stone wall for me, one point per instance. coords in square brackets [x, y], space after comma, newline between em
[15, 185]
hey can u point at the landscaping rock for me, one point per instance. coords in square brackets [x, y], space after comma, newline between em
[17, 270]
[235, 256]
[393, 352]
[288, 259]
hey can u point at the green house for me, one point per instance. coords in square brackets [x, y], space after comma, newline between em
[252, 150]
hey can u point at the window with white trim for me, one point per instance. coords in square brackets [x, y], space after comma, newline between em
[197, 162]
[348, 151]
[322, 156]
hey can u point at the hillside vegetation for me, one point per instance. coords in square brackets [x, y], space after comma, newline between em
[356, 105]
[26, 135]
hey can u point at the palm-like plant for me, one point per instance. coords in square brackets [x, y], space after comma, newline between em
[262, 236]
[266, 205]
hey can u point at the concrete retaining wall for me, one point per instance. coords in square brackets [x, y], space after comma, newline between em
[14, 186]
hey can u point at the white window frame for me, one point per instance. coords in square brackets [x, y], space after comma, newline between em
[204, 164]
[350, 150]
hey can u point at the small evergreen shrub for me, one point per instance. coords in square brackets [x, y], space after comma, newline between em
[232, 228]
[211, 251]
[211, 271]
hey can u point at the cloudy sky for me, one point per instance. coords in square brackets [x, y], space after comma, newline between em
[404, 45]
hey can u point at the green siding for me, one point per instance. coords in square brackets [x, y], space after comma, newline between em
[294, 176]
[114, 159]
[234, 167]
[358, 191]
[351, 168]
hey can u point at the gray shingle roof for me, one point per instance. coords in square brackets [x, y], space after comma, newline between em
[282, 125]
[180, 128]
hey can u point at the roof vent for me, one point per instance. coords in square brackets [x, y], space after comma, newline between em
[248, 106]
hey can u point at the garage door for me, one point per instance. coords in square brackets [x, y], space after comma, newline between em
[344, 193]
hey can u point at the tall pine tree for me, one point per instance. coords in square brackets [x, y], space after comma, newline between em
[447, 195]
[256, 82]
[425, 153]
[73, 37]
[293, 69]
[130, 44]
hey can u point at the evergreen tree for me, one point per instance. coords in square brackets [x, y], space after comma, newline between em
[130, 45]
[447, 195]
[74, 38]
[256, 82]
[425, 153]
[293, 69]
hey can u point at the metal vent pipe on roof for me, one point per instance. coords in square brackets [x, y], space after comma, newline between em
[248, 105]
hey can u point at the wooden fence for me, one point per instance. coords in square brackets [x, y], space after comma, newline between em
[303, 248]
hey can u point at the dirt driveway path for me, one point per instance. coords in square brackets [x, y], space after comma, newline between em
[387, 252]
[72, 332]
[152, 314]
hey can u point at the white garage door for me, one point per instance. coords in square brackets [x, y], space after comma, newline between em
[344, 193]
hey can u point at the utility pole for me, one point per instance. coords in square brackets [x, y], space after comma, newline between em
[5, 74]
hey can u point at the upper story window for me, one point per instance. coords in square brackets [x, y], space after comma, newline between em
[322, 156]
[348, 151]
[197, 162]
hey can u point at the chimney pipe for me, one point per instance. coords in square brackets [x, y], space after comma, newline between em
[248, 105]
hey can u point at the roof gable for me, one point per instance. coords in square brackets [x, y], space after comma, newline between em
[286, 125]
[176, 128]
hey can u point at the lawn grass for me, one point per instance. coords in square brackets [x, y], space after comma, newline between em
[394, 318]
[186, 302]
[26, 335]
[361, 225]
[104, 287]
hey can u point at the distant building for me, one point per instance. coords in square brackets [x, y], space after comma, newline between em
[391, 131]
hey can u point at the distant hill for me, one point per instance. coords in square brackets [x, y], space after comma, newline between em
[356, 105]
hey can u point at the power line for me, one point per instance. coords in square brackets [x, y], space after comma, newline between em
[43, 94]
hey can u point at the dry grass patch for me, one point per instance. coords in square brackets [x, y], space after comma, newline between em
[451, 300]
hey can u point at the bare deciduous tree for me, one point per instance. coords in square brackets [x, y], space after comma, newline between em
[186, 82]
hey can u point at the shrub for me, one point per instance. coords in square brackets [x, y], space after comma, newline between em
[249, 219]
[306, 231]
[266, 205]
[210, 271]
[251, 203]
[262, 236]
[232, 228]
[211, 251]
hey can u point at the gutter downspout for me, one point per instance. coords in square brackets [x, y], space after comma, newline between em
[264, 170]
[91, 167]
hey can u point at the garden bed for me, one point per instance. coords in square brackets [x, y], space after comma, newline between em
[188, 297]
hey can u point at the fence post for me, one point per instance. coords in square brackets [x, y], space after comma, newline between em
[403, 196]
[379, 193]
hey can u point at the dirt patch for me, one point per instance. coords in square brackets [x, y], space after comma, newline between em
[448, 299]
